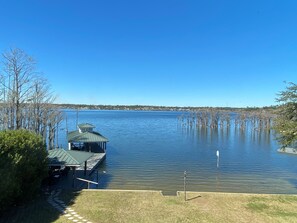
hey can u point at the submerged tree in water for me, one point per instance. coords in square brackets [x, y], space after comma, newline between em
[214, 118]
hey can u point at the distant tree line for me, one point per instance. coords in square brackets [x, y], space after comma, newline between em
[157, 108]
[26, 99]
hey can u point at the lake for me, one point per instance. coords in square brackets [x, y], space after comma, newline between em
[151, 150]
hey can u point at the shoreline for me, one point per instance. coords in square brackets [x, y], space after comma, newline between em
[179, 193]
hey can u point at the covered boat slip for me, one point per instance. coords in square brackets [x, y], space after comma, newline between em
[75, 159]
[85, 139]
[80, 162]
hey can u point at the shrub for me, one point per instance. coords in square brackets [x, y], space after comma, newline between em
[23, 165]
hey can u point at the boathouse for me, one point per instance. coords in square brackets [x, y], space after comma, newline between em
[59, 158]
[86, 139]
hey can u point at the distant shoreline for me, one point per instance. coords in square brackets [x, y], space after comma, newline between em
[156, 108]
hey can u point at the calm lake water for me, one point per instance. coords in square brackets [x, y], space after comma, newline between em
[151, 150]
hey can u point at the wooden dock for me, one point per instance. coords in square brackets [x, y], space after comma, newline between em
[93, 162]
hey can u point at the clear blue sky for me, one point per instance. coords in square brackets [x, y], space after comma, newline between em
[158, 52]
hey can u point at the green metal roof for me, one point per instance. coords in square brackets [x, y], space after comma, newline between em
[76, 136]
[67, 157]
[85, 125]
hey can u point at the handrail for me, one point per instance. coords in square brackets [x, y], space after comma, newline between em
[88, 181]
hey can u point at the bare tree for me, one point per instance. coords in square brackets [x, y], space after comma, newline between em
[54, 119]
[26, 97]
[19, 71]
[40, 100]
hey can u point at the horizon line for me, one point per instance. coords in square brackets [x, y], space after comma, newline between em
[163, 106]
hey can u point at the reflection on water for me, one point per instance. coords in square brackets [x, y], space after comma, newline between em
[151, 150]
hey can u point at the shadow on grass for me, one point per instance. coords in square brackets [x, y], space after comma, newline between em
[193, 198]
[36, 210]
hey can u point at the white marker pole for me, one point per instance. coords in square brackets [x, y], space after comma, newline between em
[218, 157]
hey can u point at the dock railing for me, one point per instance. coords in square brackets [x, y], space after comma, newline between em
[88, 181]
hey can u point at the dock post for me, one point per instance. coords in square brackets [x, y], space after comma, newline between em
[97, 177]
[73, 177]
[85, 169]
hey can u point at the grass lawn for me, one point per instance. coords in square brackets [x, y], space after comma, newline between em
[129, 206]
